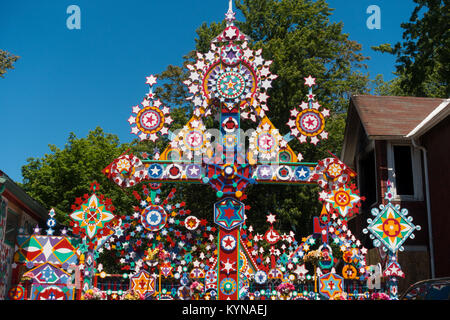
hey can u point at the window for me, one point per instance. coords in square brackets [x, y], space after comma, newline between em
[405, 171]
[12, 224]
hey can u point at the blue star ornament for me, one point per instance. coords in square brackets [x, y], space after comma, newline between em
[229, 213]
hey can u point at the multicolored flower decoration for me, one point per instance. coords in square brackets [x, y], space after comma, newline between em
[391, 226]
[265, 143]
[193, 140]
[92, 216]
[308, 121]
[331, 173]
[152, 119]
[161, 236]
[344, 200]
[126, 171]
[232, 76]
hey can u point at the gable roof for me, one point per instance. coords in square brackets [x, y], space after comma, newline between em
[389, 118]
[392, 117]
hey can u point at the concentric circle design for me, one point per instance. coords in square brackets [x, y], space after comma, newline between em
[260, 277]
[193, 140]
[310, 122]
[284, 173]
[391, 227]
[342, 198]
[174, 171]
[228, 286]
[264, 172]
[228, 243]
[155, 171]
[266, 142]
[150, 120]
[230, 85]
[191, 223]
[153, 218]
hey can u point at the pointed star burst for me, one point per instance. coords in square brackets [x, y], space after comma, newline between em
[345, 200]
[310, 81]
[151, 80]
[92, 216]
[271, 218]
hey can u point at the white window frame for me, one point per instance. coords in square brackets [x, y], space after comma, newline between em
[416, 166]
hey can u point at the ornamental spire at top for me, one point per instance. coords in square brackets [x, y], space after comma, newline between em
[230, 16]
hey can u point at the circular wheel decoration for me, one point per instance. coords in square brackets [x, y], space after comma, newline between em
[153, 218]
[127, 171]
[260, 277]
[265, 142]
[331, 173]
[264, 172]
[228, 286]
[302, 173]
[153, 119]
[193, 171]
[284, 172]
[272, 236]
[349, 272]
[193, 139]
[191, 223]
[231, 76]
[16, 293]
[230, 125]
[346, 201]
[150, 120]
[174, 171]
[228, 243]
[230, 85]
[155, 171]
[309, 122]
[230, 141]
[211, 276]
[391, 227]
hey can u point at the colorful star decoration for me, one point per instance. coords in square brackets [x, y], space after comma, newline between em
[330, 284]
[229, 213]
[391, 227]
[151, 120]
[307, 121]
[93, 215]
[345, 200]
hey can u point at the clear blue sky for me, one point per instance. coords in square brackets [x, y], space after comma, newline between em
[74, 80]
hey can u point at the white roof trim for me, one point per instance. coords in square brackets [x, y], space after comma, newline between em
[434, 117]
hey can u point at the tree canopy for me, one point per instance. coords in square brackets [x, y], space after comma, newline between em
[63, 175]
[6, 62]
[423, 58]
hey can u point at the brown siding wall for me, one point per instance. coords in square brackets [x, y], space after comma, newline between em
[437, 143]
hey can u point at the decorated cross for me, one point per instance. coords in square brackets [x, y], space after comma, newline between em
[232, 81]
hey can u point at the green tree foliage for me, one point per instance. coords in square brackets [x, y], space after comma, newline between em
[62, 175]
[300, 39]
[6, 62]
[423, 58]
